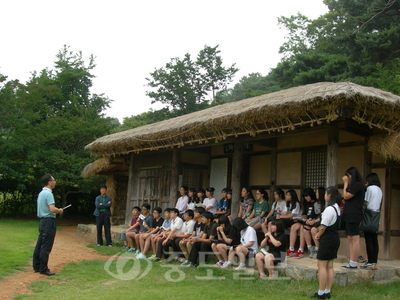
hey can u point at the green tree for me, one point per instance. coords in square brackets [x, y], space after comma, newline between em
[184, 84]
[57, 116]
[357, 40]
[151, 116]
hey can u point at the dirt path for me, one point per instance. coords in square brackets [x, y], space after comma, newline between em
[69, 246]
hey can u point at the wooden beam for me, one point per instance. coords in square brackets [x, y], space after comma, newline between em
[332, 156]
[237, 169]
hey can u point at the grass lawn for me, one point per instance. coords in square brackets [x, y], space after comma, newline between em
[121, 277]
[124, 278]
[17, 236]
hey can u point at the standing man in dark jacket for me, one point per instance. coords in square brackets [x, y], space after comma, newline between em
[103, 214]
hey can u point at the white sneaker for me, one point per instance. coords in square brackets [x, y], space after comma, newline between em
[141, 256]
[226, 265]
[241, 267]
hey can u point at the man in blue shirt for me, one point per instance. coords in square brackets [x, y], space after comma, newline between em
[46, 211]
[103, 214]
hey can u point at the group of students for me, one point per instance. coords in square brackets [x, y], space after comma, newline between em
[199, 224]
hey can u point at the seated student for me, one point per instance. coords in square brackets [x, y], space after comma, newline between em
[176, 227]
[201, 195]
[320, 194]
[210, 203]
[276, 241]
[248, 244]
[293, 211]
[203, 244]
[181, 204]
[198, 230]
[166, 225]
[134, 225]
[260, 210]
[144, 238]
[311, 213]
[278, 207]
[174, 239]
[227, 237]
[224, 205]
[145, 220]
[192, 199]
[246, 203]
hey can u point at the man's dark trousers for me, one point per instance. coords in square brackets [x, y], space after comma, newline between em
[44, 244]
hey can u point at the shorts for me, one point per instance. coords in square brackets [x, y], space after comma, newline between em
[352, 229]
[123, 234]
[250, 253]
[287, 222]
[278, 257]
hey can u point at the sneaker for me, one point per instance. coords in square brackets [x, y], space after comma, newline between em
[373, 266]
[290, 253]
[152, 257]
[219, 264]
[299, 254]
[131, 250]
[263, 277]
[362, 259]
[109, 246]
[328, 295]
[241, 267]
[226, 265]
[311, 252]
[366, 266]
[141, 256]
[184, 262]
[137, 251]
[157, 259]
[348, 267]
[98, 245]
[188, 266]
[316, 296]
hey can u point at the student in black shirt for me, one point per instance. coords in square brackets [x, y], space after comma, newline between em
[354, 195]
[276, 241]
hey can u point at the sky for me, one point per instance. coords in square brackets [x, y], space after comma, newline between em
[130, 39]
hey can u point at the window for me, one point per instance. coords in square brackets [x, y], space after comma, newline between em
[191, 177]
[315, 171]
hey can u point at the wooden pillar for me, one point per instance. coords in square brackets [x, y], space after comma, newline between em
[367, 159]
[237, 168]
[130, 190]
[387, 213]
[174, 177]
[332, 156]
[274, 170]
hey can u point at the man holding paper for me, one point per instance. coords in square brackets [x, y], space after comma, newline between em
[46, 211]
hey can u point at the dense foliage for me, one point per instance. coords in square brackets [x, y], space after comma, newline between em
[45, 125]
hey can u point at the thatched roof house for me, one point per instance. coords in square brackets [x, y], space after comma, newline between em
[281, 111]
[305, 136]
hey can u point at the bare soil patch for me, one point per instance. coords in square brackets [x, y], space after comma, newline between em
[69, 246]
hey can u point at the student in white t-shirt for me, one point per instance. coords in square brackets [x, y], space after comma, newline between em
[210, 204]
[373, 199]
[278, 208]
[182, 203]
[248, 244]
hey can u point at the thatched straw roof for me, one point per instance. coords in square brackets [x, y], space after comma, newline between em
[387, 146]
[309, 105]
[95, 167]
